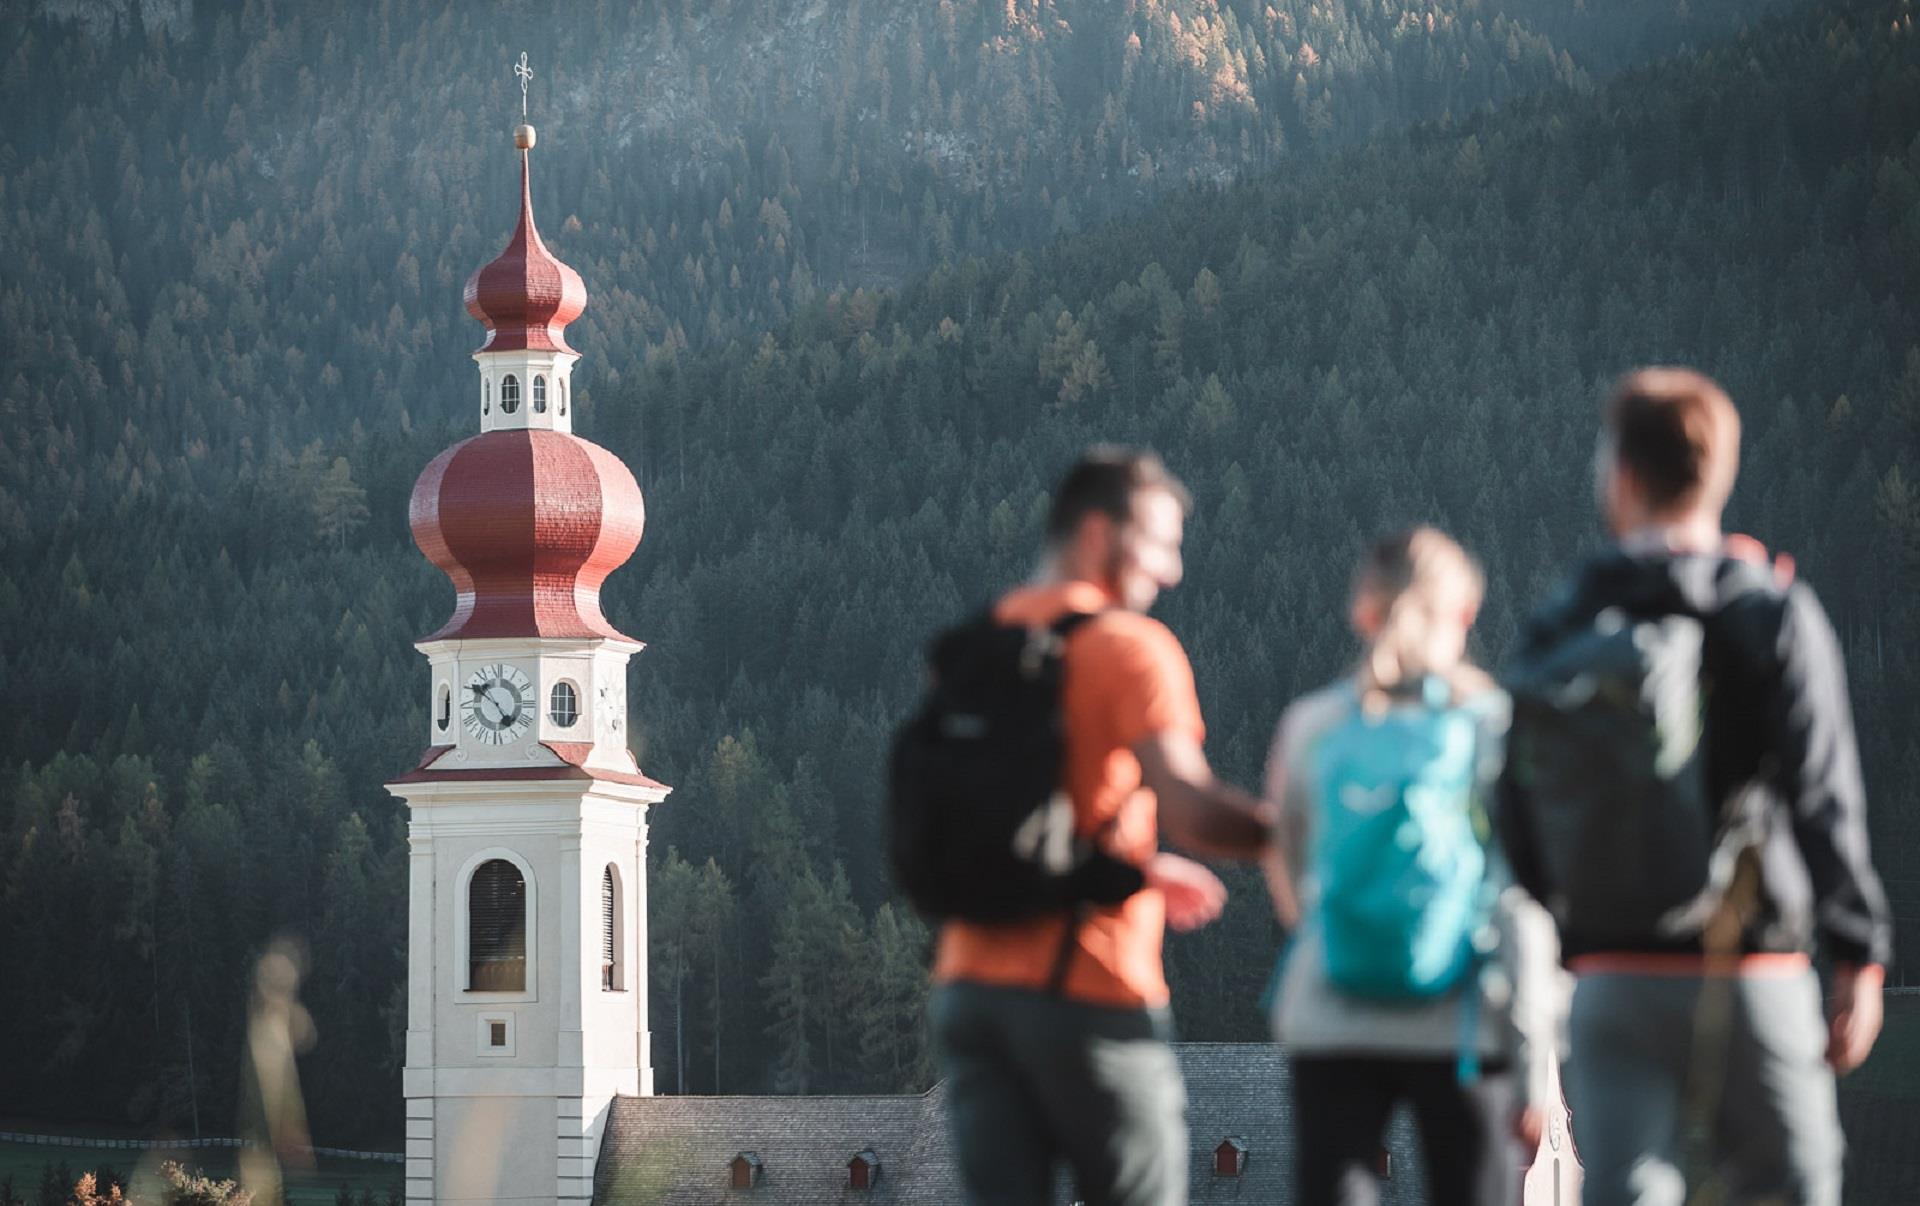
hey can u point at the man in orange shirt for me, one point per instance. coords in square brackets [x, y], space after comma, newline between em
[1053, 1031]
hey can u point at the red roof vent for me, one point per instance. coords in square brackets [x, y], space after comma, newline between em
[863, 1170]
[527, 524]
[743, 1171]
[526, 296]
[1230, 1158]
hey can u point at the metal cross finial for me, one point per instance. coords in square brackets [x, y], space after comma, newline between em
[526, 77]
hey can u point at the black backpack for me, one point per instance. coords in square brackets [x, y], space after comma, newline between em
[1608, 754]
[981, 824]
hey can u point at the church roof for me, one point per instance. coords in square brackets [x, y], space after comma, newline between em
[681, 1149]
[573, 764]
[525, 295]
[527, 524]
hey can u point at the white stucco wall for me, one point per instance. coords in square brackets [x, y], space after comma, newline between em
[522, 1125]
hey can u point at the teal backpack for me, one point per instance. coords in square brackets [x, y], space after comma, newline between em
[1399, 848]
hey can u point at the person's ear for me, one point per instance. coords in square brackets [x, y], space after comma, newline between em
[1092, 540]
[1621, 497]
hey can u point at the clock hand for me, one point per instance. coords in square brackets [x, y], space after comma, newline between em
[509, 709]
[481, 699]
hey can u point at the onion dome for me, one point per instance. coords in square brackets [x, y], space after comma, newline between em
[526, 296]
[528, 524]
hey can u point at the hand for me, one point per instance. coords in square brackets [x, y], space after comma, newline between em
[1529, 1123]
[1854, 1012]
[1194, 895]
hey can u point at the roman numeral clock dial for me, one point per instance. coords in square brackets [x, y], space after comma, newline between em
[497, 705]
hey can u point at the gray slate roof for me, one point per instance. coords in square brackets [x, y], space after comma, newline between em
[679, 1149]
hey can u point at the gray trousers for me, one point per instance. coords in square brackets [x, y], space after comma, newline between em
[1033, 1079]
[1712, 1089]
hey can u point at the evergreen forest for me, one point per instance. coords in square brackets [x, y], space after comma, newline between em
[864, 277]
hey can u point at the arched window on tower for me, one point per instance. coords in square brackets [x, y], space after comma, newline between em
[509, 394]
[539, 394]
[563, 704]
[611, 978]
[497, 928]
[562, 383]
[486, 395]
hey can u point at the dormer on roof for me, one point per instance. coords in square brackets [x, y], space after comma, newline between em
[1230, 1158]
[744, 1171]
[863, 1171]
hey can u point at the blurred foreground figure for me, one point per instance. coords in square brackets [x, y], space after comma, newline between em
[273, 1110]
[1683, 792]
[1418, 974]
[1065, 723]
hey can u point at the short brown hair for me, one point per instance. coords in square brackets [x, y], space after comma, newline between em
[1105, 480]
[1677, 433]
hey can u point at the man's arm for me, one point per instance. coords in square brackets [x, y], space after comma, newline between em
[1819, 772]
[1197, 810]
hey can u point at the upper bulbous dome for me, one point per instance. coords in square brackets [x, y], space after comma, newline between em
[526, 296]
[527, 524]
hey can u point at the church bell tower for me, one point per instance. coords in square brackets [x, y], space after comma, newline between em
[526, 965]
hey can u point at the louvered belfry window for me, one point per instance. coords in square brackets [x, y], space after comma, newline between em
[497, 928]
[608, 908]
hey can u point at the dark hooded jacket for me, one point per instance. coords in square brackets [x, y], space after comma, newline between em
[1779, 731]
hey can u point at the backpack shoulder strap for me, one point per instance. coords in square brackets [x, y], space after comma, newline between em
[1064, 626]
[941, 648]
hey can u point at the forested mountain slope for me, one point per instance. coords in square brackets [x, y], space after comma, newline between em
[244, 219]
[207, 634]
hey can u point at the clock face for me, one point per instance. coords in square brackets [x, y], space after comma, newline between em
[497, 704]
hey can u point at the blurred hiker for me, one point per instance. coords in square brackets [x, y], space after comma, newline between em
[1684, 794]
[1416, 974]
[1059, 739]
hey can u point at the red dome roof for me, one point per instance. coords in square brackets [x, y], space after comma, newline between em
[527, 524]
[526, 296]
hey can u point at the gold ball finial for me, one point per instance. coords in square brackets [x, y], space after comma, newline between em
[523, 137]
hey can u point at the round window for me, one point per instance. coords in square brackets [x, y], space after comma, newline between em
[564, 706]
